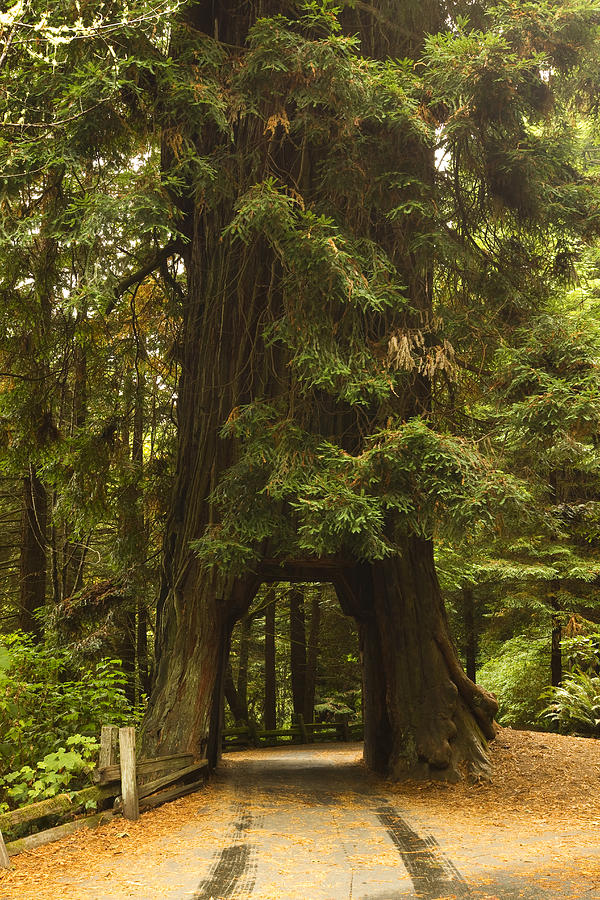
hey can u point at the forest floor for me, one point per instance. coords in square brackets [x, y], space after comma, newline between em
[310, 823]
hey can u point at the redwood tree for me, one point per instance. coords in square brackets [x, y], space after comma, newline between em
[334, 202]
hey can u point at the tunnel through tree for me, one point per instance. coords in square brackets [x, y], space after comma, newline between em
[317, 440]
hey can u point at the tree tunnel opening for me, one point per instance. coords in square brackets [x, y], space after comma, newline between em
[422, 716]
[294, 657]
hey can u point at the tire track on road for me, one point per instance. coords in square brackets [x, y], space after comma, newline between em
[432, 874]
[233, 873]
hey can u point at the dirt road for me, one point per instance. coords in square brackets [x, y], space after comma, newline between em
[309, 823]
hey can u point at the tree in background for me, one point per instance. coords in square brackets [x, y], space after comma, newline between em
[265, 656]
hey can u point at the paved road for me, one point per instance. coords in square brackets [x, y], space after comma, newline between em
[310, 824]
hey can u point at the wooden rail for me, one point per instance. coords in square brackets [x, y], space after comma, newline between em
[128, 781]
[300, 732]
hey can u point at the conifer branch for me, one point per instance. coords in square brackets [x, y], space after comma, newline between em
[136, 277]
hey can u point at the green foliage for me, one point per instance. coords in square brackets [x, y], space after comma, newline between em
[407, 473]
[517, 674]
[44, 702]
[575, 704]
[66, 767]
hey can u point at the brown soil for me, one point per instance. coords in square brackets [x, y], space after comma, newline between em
[538, 779]
[544, 778]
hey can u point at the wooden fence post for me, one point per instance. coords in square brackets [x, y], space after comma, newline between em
[253, 734]
[346, 728]
[302, 727]
[129, 791]
[4, 858]
[109, 735]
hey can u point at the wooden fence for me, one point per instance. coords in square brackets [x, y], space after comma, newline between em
[137, 785]
[132, 785]
[300, 732]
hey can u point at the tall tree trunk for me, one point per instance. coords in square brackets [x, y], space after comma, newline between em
[239, 711]
[242, 678]
[270, 717]
[297, 649]
[142, 649]
[33, 565]
[423, 716]
[470, 632]
[312, 656]
[132, 527]
[556, 665]
[74, 551]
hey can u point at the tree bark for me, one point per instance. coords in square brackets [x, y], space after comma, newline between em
[74, 551]
[470, 632]
[297, 649]
[312, 657]
[423, 716]
[270, 716]
[242, 679]
[142, 650]
[33, 565]
[556, 666]
[239, 711]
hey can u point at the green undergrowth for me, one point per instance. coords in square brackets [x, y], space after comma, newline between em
[51, 713]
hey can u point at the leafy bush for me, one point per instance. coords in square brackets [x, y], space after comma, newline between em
[53, 774]
[575, 704]
[518, 675]
[44, 701]
[582, 651]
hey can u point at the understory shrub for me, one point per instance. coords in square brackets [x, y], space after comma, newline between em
[575, 704]
[45, 703]
[518, 674]
[68, 768]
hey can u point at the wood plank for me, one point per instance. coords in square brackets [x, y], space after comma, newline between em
[146, 767]
[129, 788]
[4, 860]
[62, 803]
[60, 831]
[280, 732]
[109, 735]
[173, 794]
[152, 786]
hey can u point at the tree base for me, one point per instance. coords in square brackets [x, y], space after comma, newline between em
[423, 717]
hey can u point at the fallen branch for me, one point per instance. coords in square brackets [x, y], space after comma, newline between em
[55, 834]
[54, 806]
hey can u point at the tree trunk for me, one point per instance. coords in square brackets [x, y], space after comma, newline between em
[194, 623]
[74, 551]
[242, 679]
[125, 620]
[238, 710]
[556, 666]
[33, 554]
[270, 717]
[142, 650]
[470, 632]
[297, 649]
[423, 716]
[312, 656]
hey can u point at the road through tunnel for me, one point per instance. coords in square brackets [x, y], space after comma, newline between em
[294, 665]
